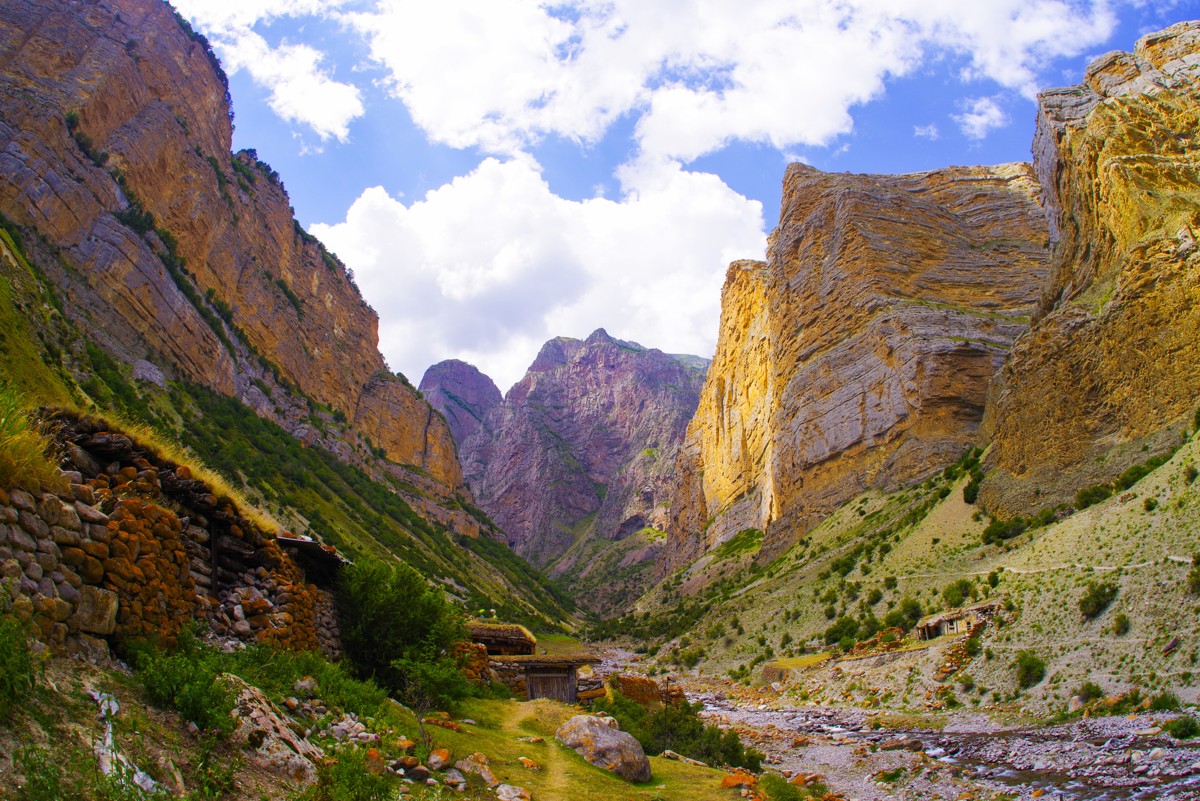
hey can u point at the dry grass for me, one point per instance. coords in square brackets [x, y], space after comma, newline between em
[26, 454]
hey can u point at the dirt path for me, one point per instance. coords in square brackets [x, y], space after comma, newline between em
[551, 759]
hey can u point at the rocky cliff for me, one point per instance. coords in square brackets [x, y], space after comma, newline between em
[462, 394]
[580, 454]
[115, 154]
[1108, 371]
[859, 355]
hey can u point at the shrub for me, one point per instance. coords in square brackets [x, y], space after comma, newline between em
[1090, 691]
[1121, 624]
[399, 631]
[1097, 598]
[1150, 504]
[346, 778]
[842, 628]
[1092, 495]
[998, 531]
[1190, 473]
[905, 616]
[1030, 669]
[973, 646]
[1164, 702]
[957, 592]
[1183, 728]
[1193, 577]
[16, 664]
[186, 678]
[43, 777]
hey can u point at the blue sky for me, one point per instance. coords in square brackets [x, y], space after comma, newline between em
[499, 172]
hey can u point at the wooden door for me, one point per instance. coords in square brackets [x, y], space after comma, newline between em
[555, 683]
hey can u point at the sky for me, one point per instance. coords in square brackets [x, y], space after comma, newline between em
[497, 173]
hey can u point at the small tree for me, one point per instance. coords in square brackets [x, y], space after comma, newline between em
[1030, 669]
[1097, 598]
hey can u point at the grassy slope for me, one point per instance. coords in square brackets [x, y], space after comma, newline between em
[306, 488]
[1044, 572]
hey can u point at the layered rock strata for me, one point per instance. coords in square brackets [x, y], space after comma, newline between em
[463, 395]
[860, 353]
[115, 150]
[581, 449]
[1109, 371]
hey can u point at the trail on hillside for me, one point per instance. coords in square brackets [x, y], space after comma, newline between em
[550, 758]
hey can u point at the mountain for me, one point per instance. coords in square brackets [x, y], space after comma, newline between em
[161, 275]
[859, 355]
[1107, 372]
[575, 465]
[462, 394]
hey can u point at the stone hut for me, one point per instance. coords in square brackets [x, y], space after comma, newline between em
[503, 639]
[568, 678]
[956, 621]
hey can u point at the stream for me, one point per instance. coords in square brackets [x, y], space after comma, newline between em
[1092, 759]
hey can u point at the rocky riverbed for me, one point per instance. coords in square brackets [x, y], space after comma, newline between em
[864, 755]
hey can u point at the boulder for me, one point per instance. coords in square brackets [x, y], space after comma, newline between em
[605, 747]
[507, 792]
[96, 611]
[439, 759]
[263, 728]
[477, 763]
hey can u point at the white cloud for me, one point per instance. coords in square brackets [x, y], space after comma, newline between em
[929, 132]
[500, 75]
[301, 91]
[489, 266]
[980, 116]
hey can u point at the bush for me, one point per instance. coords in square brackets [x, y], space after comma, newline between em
[1090, 691]
[1164, 702]
[956, 593]
[842, 628]
[998, 531]
[1092, 495]
[186, 678]
[1030, 669]
[905, 616]
[1183, 728]
[399, 631]
[1121, 624]
[1193, 576]
[973, 646]
[678, 727]
[1097, 598]
[346, 778]
[16, 664]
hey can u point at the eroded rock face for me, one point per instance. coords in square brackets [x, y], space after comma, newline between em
[582, 447]
[462, 394]
[860, 353]
[605, 747]
[113, 111]
[1108, 374]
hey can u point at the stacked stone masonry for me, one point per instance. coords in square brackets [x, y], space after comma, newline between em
[137, 547]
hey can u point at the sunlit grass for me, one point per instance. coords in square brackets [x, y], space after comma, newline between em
[26, 453]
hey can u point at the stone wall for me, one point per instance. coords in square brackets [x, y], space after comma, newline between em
[136, 547]
[588, 684]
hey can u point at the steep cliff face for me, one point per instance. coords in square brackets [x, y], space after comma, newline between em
[462, 394]
[114, 148]
[581, 453]
[860, 354]
[1109, 370]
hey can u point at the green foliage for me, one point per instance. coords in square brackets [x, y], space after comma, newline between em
[1097, 598]
[1182, 728]
[291, 296]
[842, 628]
[1193, 576]
[399, 631]
[1121, 624]
[1165, 702]
[973, 646]
[346, 778]
[1190, 473]
[1090, 691]
[16, 664]
[957, 592]
[43, 776]
[998, 531]
[215, 772]
[1029, 668]
[1090, 496]
[678, 727]
[745, 541]
[185, 678]
[276, 672]
[904, 616]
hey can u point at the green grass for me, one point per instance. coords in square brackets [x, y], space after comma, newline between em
[745, 541]
[26, 458]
